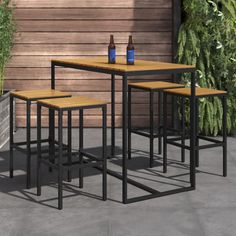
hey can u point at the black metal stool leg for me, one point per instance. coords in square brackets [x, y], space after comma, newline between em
[129, 122]
[192, 133]
[113, 113]
[51, 137]
[183, 129]
[224, 128]
[39, 154]
[151, 129]
[104, 154]
[160, 104]
[60, 168]
[28, 129]
[11, 137]
[69, 133]
[197, 132]
[81, 145]
[165, 133]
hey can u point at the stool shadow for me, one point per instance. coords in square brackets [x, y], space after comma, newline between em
[16, 186]
[139, 164]
[32, 197]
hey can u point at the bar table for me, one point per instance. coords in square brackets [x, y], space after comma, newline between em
[141, 68]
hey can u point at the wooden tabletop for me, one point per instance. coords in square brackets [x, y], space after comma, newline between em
[121, 66]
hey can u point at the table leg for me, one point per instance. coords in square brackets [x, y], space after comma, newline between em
[192, 131]
[51, 137]
[69, 143]
[28, 139]
[124, 137]
[113, 115]
[60, 168]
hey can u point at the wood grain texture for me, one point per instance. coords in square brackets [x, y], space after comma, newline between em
[138, 110]
[68, 74]
[83, 50]
[155, 85]
[93, 25]
[91, 13]
[120, 65]
[39, 94]
[138, 97]
[91, 38]
[92, 3]
[93, 85]
[72, 102]
[199, 92]
[81, 28]
[45, 61]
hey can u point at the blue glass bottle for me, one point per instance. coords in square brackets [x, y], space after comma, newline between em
[112, 51]
[130, 52]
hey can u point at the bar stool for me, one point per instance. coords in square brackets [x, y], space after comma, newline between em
[151, 87]
[29, 96]
[183, 94]
[70, 104]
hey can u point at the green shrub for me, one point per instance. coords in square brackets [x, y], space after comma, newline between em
[207, 39]
[7, 28]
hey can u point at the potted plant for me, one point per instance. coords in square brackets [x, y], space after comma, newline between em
[7, 28]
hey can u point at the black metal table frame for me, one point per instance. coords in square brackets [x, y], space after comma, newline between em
[153, 193]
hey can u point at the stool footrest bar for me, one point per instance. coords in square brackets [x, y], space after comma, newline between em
[31, 142]
[143, 133]
[20, 149]
[177, 138]
[73, 164]
[90, 155]
[83, 165]
[210, 146]
[177, 144]
[159, 194]
[65, 146]
[209, 139]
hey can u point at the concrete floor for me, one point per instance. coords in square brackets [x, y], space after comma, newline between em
[210, 210]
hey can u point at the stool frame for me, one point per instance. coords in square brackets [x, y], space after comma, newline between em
[197, 147]
[28, 142]
[151, 134]
[81, 164]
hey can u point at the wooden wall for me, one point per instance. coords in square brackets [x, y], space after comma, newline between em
[81, 28]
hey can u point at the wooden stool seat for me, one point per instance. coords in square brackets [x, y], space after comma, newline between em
[200, 92]
[72, 102]
[39, 94]
[155, 85]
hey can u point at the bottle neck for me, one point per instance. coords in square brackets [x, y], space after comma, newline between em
[130, 40]
[112, 44]
[111, 39]
[130, 44]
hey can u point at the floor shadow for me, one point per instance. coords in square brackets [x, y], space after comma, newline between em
[139, 165]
